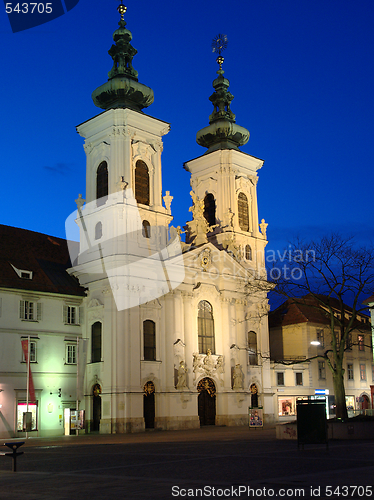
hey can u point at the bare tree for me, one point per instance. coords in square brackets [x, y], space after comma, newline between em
[338, 275]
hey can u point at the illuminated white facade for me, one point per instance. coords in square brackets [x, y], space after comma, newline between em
[52, 323]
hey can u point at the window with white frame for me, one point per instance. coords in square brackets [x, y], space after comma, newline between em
[71, 315]
[33, 351]
[362, 371]
[280, 378]
[71, 354]
[350, 371]
[321, 337]
[361, 342]
[23, 273]
[321, 370]
[30, 311]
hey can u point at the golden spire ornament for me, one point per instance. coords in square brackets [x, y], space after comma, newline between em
[122, 9]
[219, 44]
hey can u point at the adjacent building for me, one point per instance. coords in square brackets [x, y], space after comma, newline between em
[41, 303]
[299, 330]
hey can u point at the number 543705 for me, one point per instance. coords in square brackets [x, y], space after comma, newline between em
[28, 8]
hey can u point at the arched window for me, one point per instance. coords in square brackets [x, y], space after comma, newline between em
[243, 212]
[252, 348]
[149, 336]
[102, 183]
[146, 229]
[96, 342]
[141, 183]
[205, 327]
[248, 252]
[98, 231]
[210, 209]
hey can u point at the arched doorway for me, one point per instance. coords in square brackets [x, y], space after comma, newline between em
[365, 402]
[206, 401]
[96, 407]
[149, 405]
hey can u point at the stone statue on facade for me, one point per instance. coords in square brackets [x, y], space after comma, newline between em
[263, 227]
[182, 376]
[199, 227]
[237, 377]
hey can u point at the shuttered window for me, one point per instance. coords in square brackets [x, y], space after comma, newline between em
[141, 183]
[243, 212]
[30, 311]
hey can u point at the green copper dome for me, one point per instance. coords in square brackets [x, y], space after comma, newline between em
[122, 90]
[222, 131]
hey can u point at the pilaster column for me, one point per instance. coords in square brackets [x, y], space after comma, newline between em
[127, 158]
[157, 184]
[254, 210]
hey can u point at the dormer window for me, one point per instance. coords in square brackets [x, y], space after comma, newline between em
[23, 273]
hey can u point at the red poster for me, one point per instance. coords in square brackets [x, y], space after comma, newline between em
[25, 348]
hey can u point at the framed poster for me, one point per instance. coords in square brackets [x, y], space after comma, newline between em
[256, 417]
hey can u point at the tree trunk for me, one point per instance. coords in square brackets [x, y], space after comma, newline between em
[341, 407]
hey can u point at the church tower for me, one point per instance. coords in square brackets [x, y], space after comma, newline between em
[225, 179]
[123, 243]
[123, 145]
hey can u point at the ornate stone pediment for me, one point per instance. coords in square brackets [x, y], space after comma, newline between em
[95, 310]
[143, 151]
[209, 364]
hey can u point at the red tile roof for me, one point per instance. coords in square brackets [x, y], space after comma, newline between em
[45, 256]
[307, 309]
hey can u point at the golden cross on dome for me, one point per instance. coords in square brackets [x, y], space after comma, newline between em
[219, 44]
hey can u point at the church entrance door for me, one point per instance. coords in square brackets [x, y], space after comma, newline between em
[149, 405]
[206, 401]
[96, 408]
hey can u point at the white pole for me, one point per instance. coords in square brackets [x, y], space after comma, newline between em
[27, 380]
[76, 429]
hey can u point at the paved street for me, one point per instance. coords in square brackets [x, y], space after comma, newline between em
[179, 464]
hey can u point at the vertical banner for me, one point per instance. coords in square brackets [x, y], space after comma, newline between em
[30, 389]
[81, 368]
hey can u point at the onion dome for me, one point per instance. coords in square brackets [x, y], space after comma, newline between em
[122, 90]
[222, 131]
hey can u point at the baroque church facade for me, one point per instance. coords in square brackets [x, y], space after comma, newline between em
[135, 326]
[175, 337]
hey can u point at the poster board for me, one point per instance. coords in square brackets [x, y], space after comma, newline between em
[256, 419]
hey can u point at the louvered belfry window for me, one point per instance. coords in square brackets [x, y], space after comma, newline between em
[102, 183]
[210, 209]
[141, 183]
[243, 212]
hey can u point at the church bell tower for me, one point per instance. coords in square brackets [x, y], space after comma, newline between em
[224, 178]
[123, 147]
